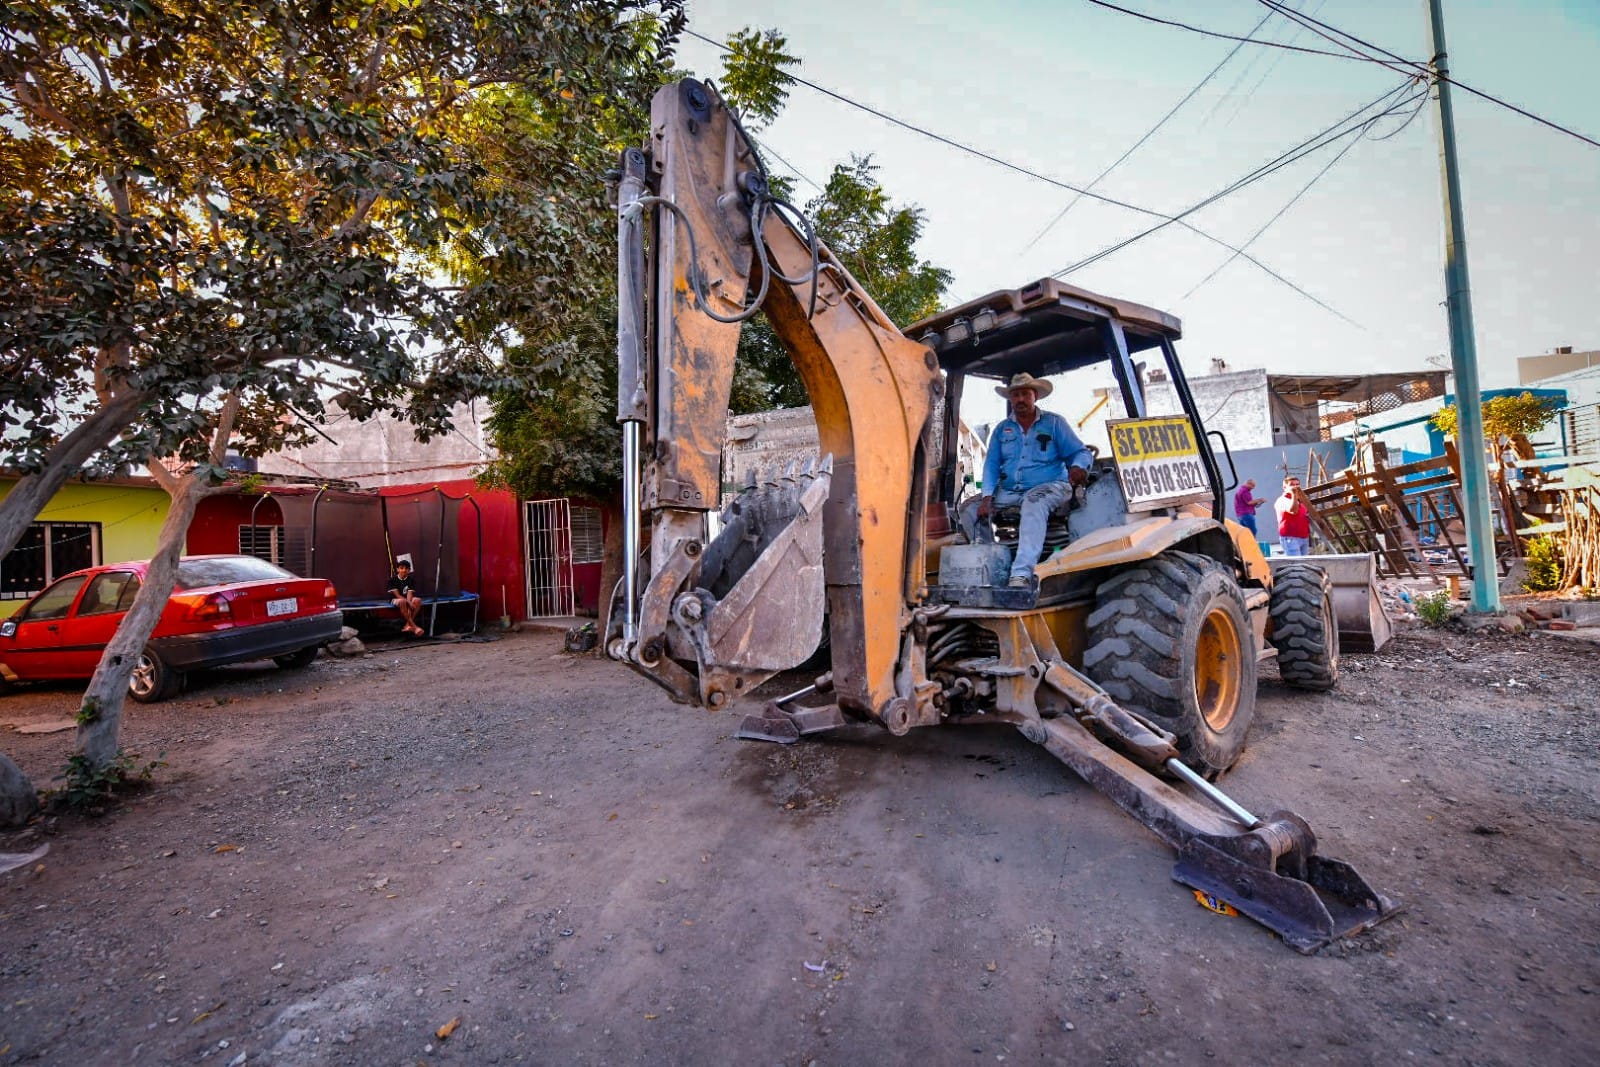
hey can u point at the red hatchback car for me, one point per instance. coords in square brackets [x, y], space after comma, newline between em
[225, 609]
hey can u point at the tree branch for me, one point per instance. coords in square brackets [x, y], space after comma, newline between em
[224, 431]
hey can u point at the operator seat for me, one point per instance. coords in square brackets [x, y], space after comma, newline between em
[1006, 519]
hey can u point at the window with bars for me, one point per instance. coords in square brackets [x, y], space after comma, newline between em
[262, 542]
[588, 540]
[44, 553]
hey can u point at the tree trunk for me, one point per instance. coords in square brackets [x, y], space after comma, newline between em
[18, 799]
[33, 491]
[100, 716]
[610, 566]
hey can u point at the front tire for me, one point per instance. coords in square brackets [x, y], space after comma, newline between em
[152, 680]
[1304, 630]
[1170, 639]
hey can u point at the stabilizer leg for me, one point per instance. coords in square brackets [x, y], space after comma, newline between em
[1267, 868]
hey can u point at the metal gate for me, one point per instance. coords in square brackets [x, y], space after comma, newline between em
[549, 538]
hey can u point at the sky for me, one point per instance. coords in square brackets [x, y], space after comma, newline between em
[1063, 87]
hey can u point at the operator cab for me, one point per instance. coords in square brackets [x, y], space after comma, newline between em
[1049, 328]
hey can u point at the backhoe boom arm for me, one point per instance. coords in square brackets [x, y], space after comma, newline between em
[719, 246]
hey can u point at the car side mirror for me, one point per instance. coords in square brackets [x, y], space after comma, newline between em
[8, 629]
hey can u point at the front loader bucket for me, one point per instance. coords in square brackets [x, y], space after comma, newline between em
[1269, 871]
[1357, 608]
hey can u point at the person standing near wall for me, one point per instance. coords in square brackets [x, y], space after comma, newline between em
[1294, 519]
[1245, 503]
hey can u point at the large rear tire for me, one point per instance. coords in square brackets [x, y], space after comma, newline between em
[152, 680]
[1170, 639]
[1304, 630]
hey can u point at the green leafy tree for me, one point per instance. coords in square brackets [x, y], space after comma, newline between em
[1510, 415]
[556, 431]
[755, 75]
[560, 435]
[216, 218]
[876, 241]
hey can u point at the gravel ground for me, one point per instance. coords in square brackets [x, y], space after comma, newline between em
[539, 856]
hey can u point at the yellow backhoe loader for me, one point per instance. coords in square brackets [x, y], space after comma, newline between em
[1132, 653]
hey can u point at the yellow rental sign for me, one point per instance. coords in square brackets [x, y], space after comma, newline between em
[1158, 461]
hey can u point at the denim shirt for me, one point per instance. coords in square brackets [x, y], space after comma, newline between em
[1019, 460]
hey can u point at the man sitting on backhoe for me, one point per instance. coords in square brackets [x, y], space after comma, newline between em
[1034, 460]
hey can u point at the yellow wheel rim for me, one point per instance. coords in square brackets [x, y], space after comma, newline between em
[1218, 668]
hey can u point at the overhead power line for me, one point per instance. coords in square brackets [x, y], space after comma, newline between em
[1358, 50]
[1423, 68]
[1151, 132]
[1277, 58]
[1026, 172]
[1351, 124]
[1421, 99]
[1327, 32]
[1220, 36]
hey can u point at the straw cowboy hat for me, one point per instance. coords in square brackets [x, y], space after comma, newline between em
[1024, 380]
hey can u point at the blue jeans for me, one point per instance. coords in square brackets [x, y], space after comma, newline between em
[1248, 522]
[1037, 504]
[1295, 546]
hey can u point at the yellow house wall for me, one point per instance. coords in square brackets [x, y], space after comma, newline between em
[130, 518]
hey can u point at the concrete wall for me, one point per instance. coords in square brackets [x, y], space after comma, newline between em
[383, 451]
[1234, 402]
[771, 440]
[1268, 467]
[1532, 370]
[1581, 386]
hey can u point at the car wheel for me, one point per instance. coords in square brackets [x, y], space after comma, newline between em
[300, 657]
[152, 679]
[1170, 639]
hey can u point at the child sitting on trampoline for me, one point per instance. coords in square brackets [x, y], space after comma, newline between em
[404, 597]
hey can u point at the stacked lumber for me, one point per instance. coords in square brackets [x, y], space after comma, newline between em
[1580, 509]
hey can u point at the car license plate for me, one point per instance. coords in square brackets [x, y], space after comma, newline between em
[286, 606]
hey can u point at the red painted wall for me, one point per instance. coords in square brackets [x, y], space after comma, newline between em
[501, 522]
[218, 518]
[215, 527]
[586, 576]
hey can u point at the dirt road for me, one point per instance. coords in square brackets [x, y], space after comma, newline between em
[337, 863]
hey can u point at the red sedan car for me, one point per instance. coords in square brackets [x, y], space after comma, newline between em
[225, 609]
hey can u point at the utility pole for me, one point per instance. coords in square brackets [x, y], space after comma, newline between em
[1463, 346]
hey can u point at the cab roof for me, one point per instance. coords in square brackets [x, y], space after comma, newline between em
[1047, 327]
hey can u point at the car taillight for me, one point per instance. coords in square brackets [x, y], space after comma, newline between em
[330, 594]
[215, 606]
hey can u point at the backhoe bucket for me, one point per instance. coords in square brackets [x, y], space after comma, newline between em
[1357, 608]
[760, 606]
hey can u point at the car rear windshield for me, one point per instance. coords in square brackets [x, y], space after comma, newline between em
[198, 573]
